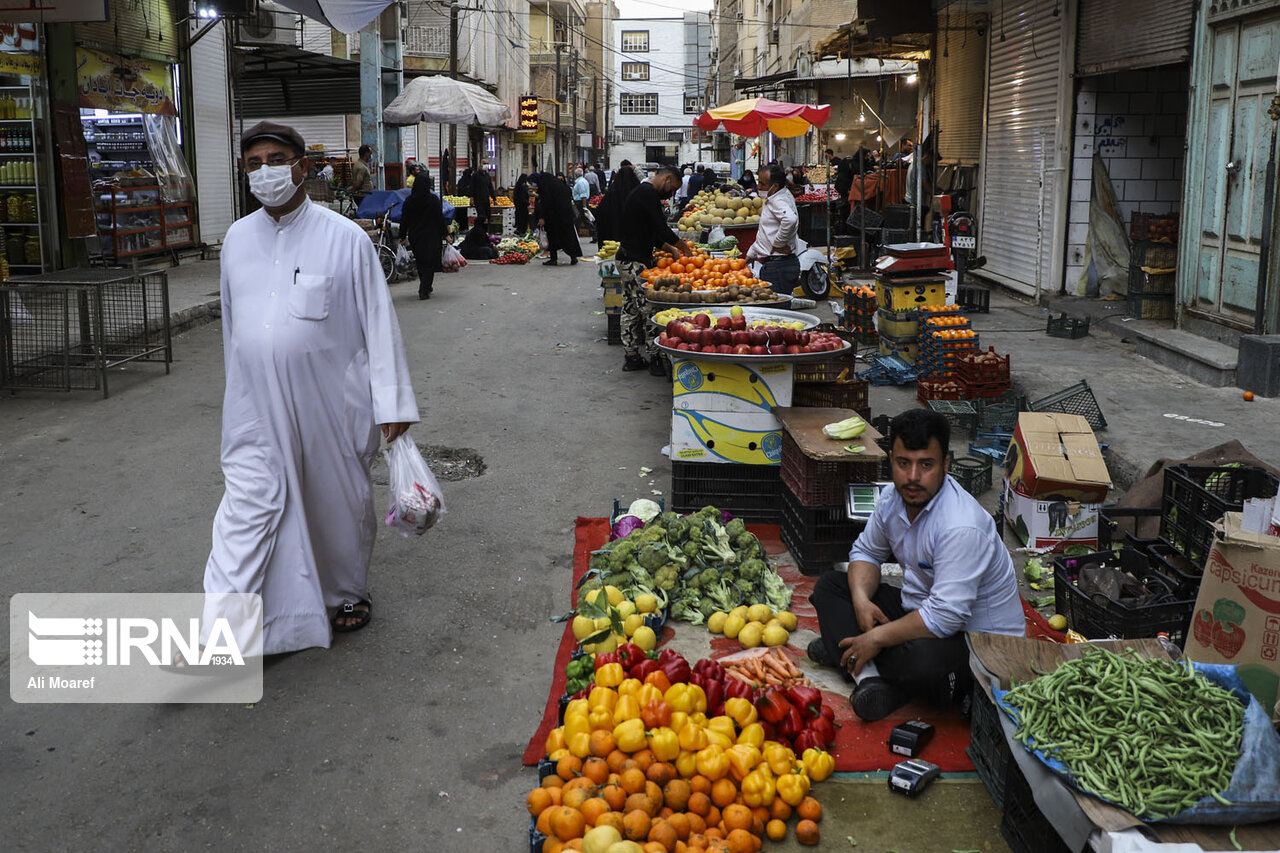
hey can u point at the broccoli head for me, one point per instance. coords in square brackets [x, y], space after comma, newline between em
[667, 577]
[653, 532]
[667, 518]
[623, 550]
[752, 569]
[707, 606]
[706, 577]
[691, 549]
[743, 541]
[735, 528]
[677, 531]
[653, 556]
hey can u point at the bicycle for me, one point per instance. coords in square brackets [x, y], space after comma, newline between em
[395, 264]
[347, 204]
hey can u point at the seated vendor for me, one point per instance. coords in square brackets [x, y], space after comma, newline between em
[908, 643]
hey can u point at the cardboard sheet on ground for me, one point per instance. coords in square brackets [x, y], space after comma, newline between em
[859, 746]
[999, 661]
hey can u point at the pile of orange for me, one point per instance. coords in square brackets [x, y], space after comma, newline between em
[648, 802]
[702, 272]
[955, 320]
[953, 334]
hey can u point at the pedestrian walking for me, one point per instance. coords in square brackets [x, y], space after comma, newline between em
[581, 194]
[314, 366]
[609, 213]
[555, 214]
[362, 174]
[482, 193]
[422, 221]
[643, 229]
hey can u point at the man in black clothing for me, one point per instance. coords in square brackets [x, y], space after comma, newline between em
[554, 210]
[642, 229]
[696, 179]
[481, 193]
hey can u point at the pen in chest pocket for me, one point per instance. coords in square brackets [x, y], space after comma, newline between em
[296, 270]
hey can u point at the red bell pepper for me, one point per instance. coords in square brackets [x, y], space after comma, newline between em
[829, 712]
[824, 728]
[792, 724]
[773, 705]
[643, 667]
[807, 699]
[736, 689]
[629, 654]
[676, 668]
[715, 696]
[807, 739]
[709, 669]
[607, 657]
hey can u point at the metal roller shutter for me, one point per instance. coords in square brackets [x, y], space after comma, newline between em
[144, 27]
[211, 128]
[1136, 34]
[1028, 95]
[962, 77]
[329, 131]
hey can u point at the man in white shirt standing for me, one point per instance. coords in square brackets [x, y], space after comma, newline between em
[775, 243]
[314, 368]
[581, 193]
[908, 643]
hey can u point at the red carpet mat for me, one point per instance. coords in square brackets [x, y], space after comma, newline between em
[859, 746]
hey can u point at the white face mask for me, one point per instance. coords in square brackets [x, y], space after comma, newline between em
[272, 185]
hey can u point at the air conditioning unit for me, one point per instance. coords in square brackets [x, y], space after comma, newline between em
[270, 24]
[773, 36]
[615, 137]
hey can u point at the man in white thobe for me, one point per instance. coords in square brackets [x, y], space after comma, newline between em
[314, 365]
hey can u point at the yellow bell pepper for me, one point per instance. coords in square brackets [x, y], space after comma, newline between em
[628, 686]
[576, 724]
[698, 718]
[743, 758]
[725, 726]
[558, 754]
[600, 718]
[648, 693]
[818, 763]
[753, 735]
[781, 759]
[741, 711]
[579, 744]
[759, 788]
[602, 697]
[555, 740]
[792, 788]
[693, 738]
[576, 706]
[679, 719]
[610, 675]
[664, 743]
[720, 739]
[679, 698]
[629, 735]
[628, 708]
[712, 762]
[699, 698]
[686, 764]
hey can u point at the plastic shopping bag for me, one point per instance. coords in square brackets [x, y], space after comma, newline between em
[416, 500]
[452, 260]
[541, 236]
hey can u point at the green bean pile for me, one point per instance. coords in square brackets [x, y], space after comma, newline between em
[1148, 735]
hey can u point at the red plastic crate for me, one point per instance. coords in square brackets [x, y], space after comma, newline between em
[984, 367]
[983, 391]
[817, 483]
[926, 391]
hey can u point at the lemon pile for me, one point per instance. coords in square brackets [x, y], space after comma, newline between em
[757, 625]
[629, 614]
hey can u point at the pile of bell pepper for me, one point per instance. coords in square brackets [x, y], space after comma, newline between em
[795, 715]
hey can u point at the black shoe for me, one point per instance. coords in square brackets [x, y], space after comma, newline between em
[658, 367]
[817, 652]
[874, 699]
[572, 261]
[550, 263]
[634, 362]
[426, 295]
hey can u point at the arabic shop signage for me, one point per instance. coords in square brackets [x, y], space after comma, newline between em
[532, 137]
[19, 44]
[529, 112]
[109, 82]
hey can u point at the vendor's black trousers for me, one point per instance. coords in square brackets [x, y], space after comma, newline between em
[932, 670]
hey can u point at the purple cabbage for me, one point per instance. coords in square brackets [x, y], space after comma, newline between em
[625, 526]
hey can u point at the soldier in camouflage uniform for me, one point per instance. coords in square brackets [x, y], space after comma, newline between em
[637, 340]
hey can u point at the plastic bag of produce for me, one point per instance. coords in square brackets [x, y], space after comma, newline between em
[541, 236]
[416, 500]
[716, 235]
[452, 260]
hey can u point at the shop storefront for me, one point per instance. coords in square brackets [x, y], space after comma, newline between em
[27, 230]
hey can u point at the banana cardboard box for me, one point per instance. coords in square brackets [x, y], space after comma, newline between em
[722, 386]
[1237, 615]
[1055, 480]
[745, 438]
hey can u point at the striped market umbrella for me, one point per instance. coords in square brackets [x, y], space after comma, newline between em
[754, 116]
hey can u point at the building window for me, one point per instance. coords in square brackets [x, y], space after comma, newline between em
[694, 104]
[638, 104]
[635, 71]
[635, 41]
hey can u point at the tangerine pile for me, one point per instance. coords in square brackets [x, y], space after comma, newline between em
[650, 805]
[702, 272]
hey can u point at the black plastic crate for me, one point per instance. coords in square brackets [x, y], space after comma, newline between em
[613, 329]
[845, 394]
[1196, 496]
[961, 414]
[1180, 570]
[1024, 826]
[974, 298]
[1076, 400]
[1067, 327]
[995, 415]
[973, 475]
[1152, 255]
[1099, 616]
[536, 839]
[816, 536]
[748, 491]
[1111, 517]
[988, 749]
[1150, 306]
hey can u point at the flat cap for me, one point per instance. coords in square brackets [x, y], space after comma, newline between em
[272, 130]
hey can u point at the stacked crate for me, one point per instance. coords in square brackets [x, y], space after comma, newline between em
[860, 313]
[945, 335]
[611, 282]
[815, 525]
[1153, 261]
[902, 302]
[984, 375]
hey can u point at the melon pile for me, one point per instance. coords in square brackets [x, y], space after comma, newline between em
[708, 209]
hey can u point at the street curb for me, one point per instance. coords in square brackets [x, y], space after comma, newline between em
[197, 315]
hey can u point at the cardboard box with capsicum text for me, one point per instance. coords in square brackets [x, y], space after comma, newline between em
[1237, 616]
[1055, 480]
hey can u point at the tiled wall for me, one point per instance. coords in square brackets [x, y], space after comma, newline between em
[1137, 122]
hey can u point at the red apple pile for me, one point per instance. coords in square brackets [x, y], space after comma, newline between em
[730, 336]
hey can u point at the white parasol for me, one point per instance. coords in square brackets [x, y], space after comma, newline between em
[443, 100]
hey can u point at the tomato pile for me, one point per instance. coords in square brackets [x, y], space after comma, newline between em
[730, 335]
[512, 258]
[826, 195]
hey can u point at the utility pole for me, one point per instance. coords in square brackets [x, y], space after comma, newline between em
[608, 109]
[573, 90]
[559, 96]
[595, 106]
[453, 73]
